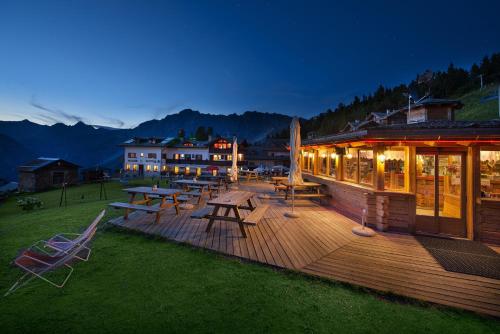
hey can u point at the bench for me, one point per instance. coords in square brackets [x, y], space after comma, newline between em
[256, 215]
[201, 213]
[129, 206]
[280, 187]
[191, 193]
[312, 195]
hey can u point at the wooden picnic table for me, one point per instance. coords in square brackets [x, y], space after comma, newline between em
[304, 185]
[205, 187]
[144, 204]
[279, 179]
[233, 200]
[249, 174]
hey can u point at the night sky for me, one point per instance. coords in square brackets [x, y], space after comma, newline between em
[118, 63]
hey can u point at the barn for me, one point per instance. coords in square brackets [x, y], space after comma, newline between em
[45, 173]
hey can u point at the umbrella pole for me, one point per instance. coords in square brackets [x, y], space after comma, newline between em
[292, 214]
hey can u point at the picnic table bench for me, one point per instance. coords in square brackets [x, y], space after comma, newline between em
[250, 175]
[312, 188]
[168, 198]
[232, 201]
[202, 187]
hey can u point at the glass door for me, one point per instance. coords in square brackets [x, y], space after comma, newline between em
[440, 195]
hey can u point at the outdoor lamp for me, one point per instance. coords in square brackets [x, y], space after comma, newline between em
[333, 155]
[381, 158]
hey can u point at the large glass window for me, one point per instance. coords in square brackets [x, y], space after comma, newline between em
[333, 164]
[322, 163]
[394, 177]
[307, 160]
[366, 167]
[350, 165]
[490, 173]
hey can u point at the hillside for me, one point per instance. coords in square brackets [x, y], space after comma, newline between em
[474, 109]
[12, 153]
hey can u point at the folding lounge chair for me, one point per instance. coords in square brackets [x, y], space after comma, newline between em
[42, 257]
[62, 242]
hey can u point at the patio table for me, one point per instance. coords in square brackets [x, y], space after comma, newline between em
[233, 200]
[204, 186]
[148, 193]
[305, 185]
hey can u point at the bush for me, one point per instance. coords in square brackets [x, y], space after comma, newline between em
[29, 203]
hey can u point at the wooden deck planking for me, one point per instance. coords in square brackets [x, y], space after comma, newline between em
[321, 243]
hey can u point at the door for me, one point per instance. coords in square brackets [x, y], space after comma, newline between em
[141, 169]
[440, 193]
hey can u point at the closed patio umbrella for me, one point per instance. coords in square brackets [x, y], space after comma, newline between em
[234, 166]
[295, 175]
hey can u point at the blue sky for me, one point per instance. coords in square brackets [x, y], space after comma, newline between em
[118, 63]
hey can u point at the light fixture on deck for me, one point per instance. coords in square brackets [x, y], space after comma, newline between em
[381, 158]
[333, 155]
[363, 230]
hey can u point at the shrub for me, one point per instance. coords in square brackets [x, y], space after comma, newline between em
[29, 203]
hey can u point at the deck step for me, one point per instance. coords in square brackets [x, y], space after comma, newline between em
[256, 215]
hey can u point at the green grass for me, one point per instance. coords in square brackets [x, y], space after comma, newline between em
[137, 284]
[475, 110]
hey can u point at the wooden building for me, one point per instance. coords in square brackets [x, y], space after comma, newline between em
[426, 174]
[45, 173]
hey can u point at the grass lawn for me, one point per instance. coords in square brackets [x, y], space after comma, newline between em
[136, 284]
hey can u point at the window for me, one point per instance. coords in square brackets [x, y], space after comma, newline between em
[308, 157]
[199, 157]
[240, 157]
[350, 164]
[177, 156]
[155, 168]
[148, 168]
[127, 167]
[164, 168]
[57, 178]
[176, 169]
[322, 163]
[142, 155]
[394, 169]
[134, 167]
[187, 170]
[490, 173]
[151, 155]
[365, 167]
[132, 155]
[333, 164]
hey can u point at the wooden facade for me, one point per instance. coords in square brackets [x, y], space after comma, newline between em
[425, 178]
[45, 173]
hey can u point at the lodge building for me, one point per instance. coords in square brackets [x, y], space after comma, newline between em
[413, 170]
[155, 156]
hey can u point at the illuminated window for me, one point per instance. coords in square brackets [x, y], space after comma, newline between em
[127, 167]
[394, 168]
[148, 168]
[176, 169]
[176, 156]
[155, 168]
[132, 155]
[350, 165]
[366, 167]
[151, 155]
[164, 168]
[142, 155]
[322, 163]
[333, 164]
[490, 173]
[198, 171]
[187, 170]
[229, 157]
[134, 167]
[240, 157]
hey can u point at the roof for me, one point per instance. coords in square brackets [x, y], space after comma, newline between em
[432, 130]
[148, 141]
[42, 162]
[433, 101]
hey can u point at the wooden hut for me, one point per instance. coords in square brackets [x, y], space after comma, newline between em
[45, 173]
[427, 175]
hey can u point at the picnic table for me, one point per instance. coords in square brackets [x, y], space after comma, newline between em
[234, 201]
[250, 174]
[221, 180]
[310, 186]
[168, 198]
[204, 187]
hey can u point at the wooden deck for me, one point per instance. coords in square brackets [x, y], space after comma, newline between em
[320, 243]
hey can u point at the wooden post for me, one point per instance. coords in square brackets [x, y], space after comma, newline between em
[315, 162]
[340, 167]
[410, 169]
[472, 186]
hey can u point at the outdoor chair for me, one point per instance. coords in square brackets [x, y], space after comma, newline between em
[45, 257]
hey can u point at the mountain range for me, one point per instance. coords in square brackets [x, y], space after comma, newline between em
[90, 146]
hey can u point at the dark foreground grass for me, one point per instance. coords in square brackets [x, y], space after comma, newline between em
[137, 284]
